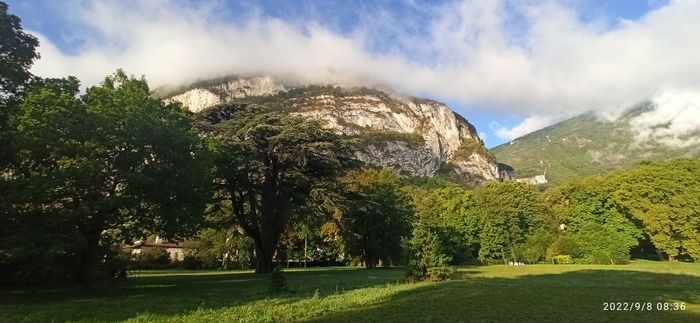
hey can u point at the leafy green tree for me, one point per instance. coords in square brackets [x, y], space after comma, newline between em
[377, 219]
[535, 247]
[665, 198]
[107, 167]
[225, 248]
[600, 244]
[17, 54]
[461, 223]
[448, 210]
[591, 200]
[563, 245]
[428, 258]
[509, 212]
[268, 168]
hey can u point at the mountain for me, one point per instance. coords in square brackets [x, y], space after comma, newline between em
[414, 136]
[586, 145]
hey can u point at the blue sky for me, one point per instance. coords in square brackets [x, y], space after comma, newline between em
[509, 67]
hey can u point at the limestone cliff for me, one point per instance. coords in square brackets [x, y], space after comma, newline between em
[416, 137]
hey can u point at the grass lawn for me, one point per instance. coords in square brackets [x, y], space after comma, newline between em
[562, 293]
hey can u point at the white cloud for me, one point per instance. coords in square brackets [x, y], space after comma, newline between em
[675, 121]
[528, 125]
[539, 61]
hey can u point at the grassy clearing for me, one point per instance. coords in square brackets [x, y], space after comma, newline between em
[489, 293]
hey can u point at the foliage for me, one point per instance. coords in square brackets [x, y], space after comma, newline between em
[535, 247]
[428, 260]
[509, 212]
[563, 246]
[376, 216]
[103, 168]
[267, 167]
[17, 54]
[450, 213]
[226, 248]
[562, 260]
[665, 198]
[658, 200]
[602, 245]
[153, 257]
[414, 140]
[470, 146]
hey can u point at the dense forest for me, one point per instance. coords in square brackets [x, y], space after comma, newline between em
[85, 174]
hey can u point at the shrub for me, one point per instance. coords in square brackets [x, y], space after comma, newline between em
[562, 260]
[563, 245]
[428, 259]
[116, 264]
[439, 273]
[191, 261]
[155, 257]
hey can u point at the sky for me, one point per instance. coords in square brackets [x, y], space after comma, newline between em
[509, 67]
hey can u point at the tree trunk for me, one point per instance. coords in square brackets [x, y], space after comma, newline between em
[89, 266]
[265, 251]
[371, 261]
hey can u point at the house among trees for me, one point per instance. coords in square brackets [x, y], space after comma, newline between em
[175, 250]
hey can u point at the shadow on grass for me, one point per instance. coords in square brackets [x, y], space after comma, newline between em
[576, 296]
[179, 293]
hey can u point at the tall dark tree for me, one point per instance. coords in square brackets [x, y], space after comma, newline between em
[106, 167]
[17, 53]
[268, 166]
[376, 216]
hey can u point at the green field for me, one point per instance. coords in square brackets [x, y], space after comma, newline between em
[561, 293]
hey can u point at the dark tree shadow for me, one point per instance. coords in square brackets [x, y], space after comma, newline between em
[179, 293]
[576, 296]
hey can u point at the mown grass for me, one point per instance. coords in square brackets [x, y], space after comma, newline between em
[563, 293]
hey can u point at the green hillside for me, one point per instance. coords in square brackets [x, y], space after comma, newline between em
[583, 146]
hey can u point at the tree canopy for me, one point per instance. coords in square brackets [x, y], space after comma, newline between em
[109, 166]
[267, 167]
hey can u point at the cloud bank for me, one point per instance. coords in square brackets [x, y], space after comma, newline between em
[541, 62]
[675, 121]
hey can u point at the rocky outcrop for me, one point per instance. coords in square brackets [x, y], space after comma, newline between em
[399, 155]
[506, 172]
[416, 137]
[207, 94]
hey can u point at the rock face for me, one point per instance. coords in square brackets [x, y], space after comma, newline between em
[399, 155]
[416, 137]
[199, 98]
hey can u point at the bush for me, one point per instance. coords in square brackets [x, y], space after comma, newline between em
[191, 262]
[428, 260]
[562, 260]
[563, 245]
[219, 249]
[436, 274]
[152, 258]
[117, 263]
